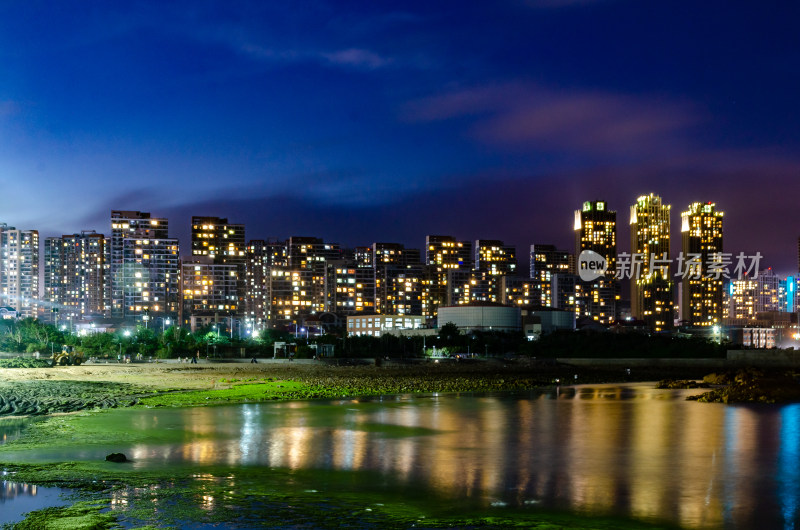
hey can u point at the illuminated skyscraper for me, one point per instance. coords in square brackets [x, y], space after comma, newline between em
[19, 270]
[133, 225]
[74, 271]
[398, 279]
[208, 289]
[701, 291]
[149, 279]
[651, 282]
[495, 257]
[747, 297]
[547, 261]
[596, 230]
[224, 244]
[218, 239]
[350, 289]
[442, 253]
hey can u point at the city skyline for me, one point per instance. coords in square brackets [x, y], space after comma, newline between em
[367, 123]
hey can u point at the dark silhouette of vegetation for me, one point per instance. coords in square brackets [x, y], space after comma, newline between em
[572, 344]
[30, 335]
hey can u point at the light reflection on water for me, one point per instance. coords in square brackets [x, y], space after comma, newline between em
[17, 498]
[628, 450]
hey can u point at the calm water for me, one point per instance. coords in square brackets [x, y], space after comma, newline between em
[628, 450]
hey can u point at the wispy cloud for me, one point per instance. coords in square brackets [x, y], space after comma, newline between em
[357, 58]
[555, 4]
[525, 116]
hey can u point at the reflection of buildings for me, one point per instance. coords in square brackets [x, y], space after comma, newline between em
[592, 449]
[10, 490]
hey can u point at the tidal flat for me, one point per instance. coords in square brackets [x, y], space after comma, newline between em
[183, 495]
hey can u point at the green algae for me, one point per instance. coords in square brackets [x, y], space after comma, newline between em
[31, 398]
[275, 497]
[239, 393]
[83, 515]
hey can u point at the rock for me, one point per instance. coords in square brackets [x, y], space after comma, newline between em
[117, 458]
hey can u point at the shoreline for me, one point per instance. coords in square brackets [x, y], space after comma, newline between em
[181, 384]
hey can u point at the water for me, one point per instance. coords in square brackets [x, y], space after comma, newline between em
[11, 428]
[626, 450]
[16, 499]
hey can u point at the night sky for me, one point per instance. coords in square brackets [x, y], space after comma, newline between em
[386, 121]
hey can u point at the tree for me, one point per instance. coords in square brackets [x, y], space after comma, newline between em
[450, 335]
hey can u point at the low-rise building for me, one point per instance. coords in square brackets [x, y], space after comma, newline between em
[377, 325]
[483, 317]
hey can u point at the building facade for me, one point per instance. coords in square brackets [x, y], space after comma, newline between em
[133, 225]
[19, 271]
[747, 297]
[442, 253]
[701, 245]
[74, 276]
[216, 238]
[148, 279]
[651, 280]
[596, 230]
[208, 288]
[495, 257]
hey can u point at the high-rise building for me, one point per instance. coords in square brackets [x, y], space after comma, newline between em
[134, 225]
[701, 245]
[19, 270]
[74, 276]
[149, 279]
[363, 256]
[293, 294]
[394, 254]
[518, 291]
[596, 230]
[442, 253]
[208, 289]
[255, 297]
[224, 243]
[218, 239]
[445, 252]
[466, 286]
[495, 257]
[351, 289]
[311, 253]
[398, 279]
[651, 282]
[296, 280]
[745, 298]
[546, 261]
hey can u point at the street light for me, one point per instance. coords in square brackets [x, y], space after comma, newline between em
[126, 333]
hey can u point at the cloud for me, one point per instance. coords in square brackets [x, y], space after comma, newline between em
[520, 116]
[357, 58]
[555, 4]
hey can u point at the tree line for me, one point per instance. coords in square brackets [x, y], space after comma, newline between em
[30, 335]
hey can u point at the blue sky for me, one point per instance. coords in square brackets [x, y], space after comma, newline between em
[365, 121]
